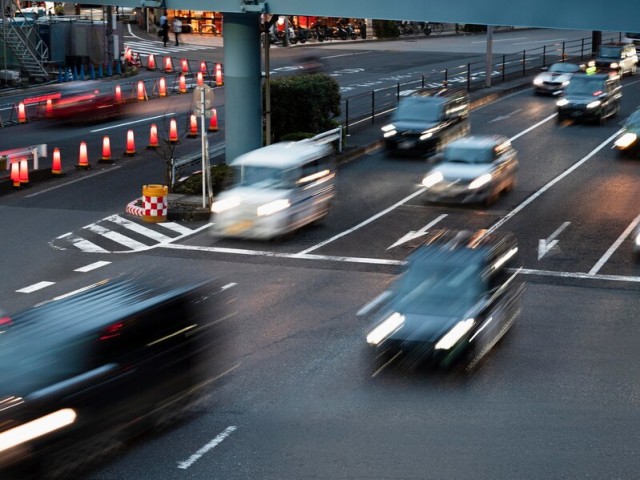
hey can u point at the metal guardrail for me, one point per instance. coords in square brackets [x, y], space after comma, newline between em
[185, 162]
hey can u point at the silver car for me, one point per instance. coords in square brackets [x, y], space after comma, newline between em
[473, 169]
[553, 79]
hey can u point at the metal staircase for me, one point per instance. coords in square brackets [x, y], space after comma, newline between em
[22, 39]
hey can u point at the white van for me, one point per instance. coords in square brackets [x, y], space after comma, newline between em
[277, 189]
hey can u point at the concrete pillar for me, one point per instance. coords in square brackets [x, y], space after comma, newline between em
[242, 84]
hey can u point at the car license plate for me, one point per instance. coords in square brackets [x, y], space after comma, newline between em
[239, 227]
[405, 144]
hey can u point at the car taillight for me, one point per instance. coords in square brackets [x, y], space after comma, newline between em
[4, 321]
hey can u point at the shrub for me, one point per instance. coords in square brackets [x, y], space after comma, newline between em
[221, 178]
[386, 28]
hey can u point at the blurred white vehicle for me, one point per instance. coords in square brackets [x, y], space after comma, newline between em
[277, 189]
[553, 79]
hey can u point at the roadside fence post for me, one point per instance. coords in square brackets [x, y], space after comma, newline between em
[373, 105]
[468, 77]
[346, 109]
[544, 55]
[524, 63]
[503, 66]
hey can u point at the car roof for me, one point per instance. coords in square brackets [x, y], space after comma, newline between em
[478, 141]
[283, 154]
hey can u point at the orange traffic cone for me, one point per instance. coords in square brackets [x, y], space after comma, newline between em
[173, 131]
[203, 67]
[131, 145]
[162, 87]
[106, 150]
[168, 65]
[219, 74]
[153, 137]
[15, 174]
[151, 62]
[193, 127]
[118, 94]
[83, 160]
[22, 113]
[183, 84]
[200, 79]
[128, 54]
[56, 163]
[185, 65]
[142, 92]
[24, 172]
[49, 109]
[213, 123]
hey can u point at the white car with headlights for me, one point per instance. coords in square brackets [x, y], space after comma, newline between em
[627, 144]
[277, 189]
[473, 169]
[555, 78]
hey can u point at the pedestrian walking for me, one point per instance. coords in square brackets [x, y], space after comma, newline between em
[177, 30]
[164, 28]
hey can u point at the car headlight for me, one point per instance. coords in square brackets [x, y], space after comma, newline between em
[433, 178]
[225, 204]
[594, 104]
[614, 65]
[455, 334]
[273, 207]
[386, 328]
[626, 140]
[538, 81]
[36, 428]
[638, 240]
[389, 130]
[480, 181]
[565, 83]
[428, 133]
[562, 102]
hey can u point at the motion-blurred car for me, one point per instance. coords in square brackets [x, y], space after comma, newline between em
[553, 79]
[473, 169]
[86, 107]
[627, 144]
[426, 121]
[82, 374]
[590, 98]
[636, 242]
[455, 300]
[620, 58]
[311, 64]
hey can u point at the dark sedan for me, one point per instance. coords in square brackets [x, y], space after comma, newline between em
[455, 300]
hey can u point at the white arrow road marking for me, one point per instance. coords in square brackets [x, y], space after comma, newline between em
[545, 245]
[423, 231]
[505, 117]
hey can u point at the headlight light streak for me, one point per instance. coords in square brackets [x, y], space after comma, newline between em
[431, 179]
[480, 181]
[36, 428]
[626, 140]
[562, 102]
[594, 104]
[386, 328]
[480, 329]
[225, 204]
[455, 334]
[538, 81]
[273, 207]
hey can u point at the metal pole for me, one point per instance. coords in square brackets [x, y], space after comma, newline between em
[489, 67]
[4, 36]
[267, 90]
[204, 147]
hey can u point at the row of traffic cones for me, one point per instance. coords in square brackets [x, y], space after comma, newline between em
[69, 74]
[168, 67]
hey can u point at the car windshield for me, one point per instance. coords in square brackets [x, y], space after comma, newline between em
[634, 121]
[262, 177]
[564, 68]
[467, 154]
[585, 86]
[609, 52]
[419, 110]
[442, 286]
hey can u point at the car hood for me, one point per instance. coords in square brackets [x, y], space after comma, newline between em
[253, 196]
[557, 77]
[581, 99]
[423, 328]
[452, 171]
[413, 125]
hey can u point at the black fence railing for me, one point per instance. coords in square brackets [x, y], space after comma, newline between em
[364, 108]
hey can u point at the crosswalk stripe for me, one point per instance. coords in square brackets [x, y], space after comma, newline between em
[147, 232]
[116, 237]
[176, 227]
[82, 244]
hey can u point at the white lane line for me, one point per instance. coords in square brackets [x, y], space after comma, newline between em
[533, 197]
[366, 222]
[35, 286]
[116, 237]
[299, 256]
[579, 275]
[133, 122]
[91, 266]
[212, 444]
[69, 183]
[82, 244]
[596, 268]
[533, 127]
[176, 227]
[135, 227]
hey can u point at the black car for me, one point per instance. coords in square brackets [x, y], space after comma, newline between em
[590, 97]
[426, 121]
[81, 375]
[455, 300]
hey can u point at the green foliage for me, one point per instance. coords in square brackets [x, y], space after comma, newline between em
[221, 178]
[303, 103]
[295, 136]
[386, 28]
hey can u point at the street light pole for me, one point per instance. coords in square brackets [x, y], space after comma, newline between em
[489, 61]
[267, 89]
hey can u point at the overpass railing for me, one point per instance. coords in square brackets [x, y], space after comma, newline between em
[364, 108]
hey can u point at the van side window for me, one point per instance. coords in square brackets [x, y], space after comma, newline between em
[313, 170]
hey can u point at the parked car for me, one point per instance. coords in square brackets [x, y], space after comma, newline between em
[620, 58]
[590, 98]
[457, 297]
[473, 169]
[426, 121]
[81, 375]
[627, 144]
[553, 79]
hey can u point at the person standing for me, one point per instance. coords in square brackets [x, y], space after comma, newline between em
[177, 29]
[164, 28]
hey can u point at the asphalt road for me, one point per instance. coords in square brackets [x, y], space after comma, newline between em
[557, 398]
